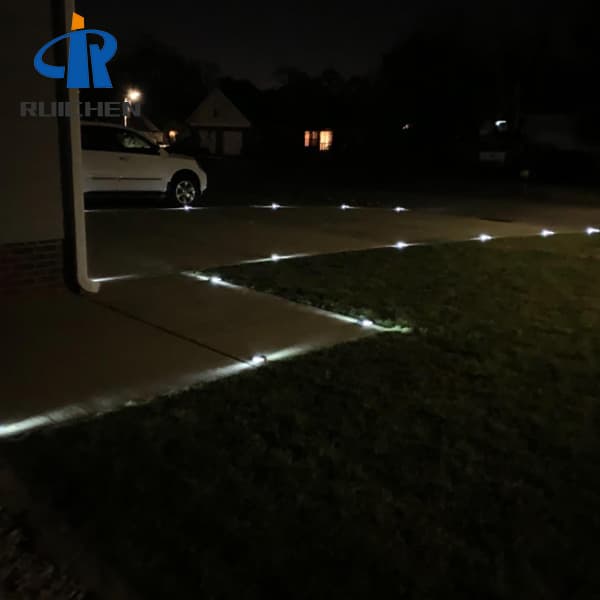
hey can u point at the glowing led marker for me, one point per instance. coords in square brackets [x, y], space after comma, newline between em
[484, 237]
[592, 230]
[547, 233]
[345, 207]
[275, 257]
[216, 280]
[187, 208]
[366, 323]
[258, 360]
[275, 206]
[401, 245]
[400, 209]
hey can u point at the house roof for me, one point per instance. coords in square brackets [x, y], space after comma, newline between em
[142, 123]
[217, 110]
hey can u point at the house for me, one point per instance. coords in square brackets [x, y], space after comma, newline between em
[220, 125]
[42, 235]
[555, 143]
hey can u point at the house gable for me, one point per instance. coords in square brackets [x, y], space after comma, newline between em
[217, 110]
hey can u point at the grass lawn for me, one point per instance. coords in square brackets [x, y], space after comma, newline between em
[461, 461]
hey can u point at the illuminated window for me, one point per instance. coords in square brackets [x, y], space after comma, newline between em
[325, 141]
[321, 140]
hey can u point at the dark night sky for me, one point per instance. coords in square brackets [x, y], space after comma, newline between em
[252, 39]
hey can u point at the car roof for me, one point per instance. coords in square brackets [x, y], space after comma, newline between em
[117, 126]
[101, 124]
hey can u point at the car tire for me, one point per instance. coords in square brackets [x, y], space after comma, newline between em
[184, 190]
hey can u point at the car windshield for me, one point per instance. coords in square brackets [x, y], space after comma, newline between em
[133, 141]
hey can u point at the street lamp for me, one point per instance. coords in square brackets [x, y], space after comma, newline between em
[132, 97]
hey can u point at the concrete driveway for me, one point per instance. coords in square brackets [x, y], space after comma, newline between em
[163, 241]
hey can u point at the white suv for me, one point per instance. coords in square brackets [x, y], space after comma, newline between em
[123, 161]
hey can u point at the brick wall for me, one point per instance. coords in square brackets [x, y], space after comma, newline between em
[31, 265]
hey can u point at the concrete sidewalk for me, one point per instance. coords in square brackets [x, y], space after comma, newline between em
[61, 350]
[235, 321]
[67, 356]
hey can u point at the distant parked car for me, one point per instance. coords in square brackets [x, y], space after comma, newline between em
[119, 160]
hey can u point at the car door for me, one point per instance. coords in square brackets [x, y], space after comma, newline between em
[143, 168]
[100, 159]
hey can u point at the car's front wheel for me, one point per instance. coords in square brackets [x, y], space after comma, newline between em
[184, 189]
